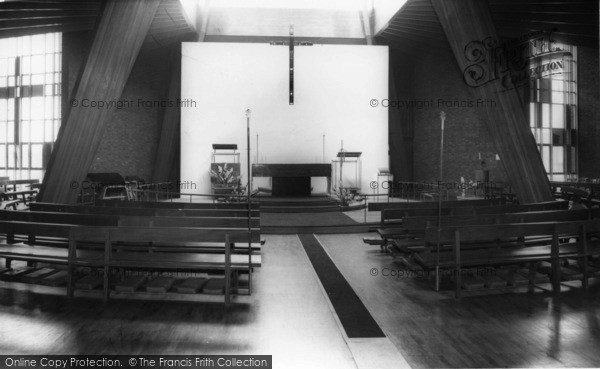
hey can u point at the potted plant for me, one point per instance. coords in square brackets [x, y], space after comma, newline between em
[224, 179]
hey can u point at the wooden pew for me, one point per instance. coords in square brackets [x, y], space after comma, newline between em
[24, 196]
[59, 232]
[414, 227]
[379, 206]
[114, 220]
[10, 204]
[23, 217]
[58, 217]
[142, 258]
[202, 222]
[38, 206]
[17, 182]
[502, 244]
[162, 213]
[395, 216]
[95, 246]
[178, 205]
[31, 230]
[392, 219]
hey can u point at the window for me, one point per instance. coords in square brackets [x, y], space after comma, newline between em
[553, 113]
[30, 101]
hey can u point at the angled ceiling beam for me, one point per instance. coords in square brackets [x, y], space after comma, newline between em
[204, 16]
[169, 147]
[366, 18]
[465, 21]
[119, 37]
[400, 122]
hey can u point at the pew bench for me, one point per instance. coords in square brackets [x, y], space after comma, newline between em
[189, 249]
[503, 244]
[177, 205]
[134, 211]
[392, 220]
[414, 227]
[379, 206]
[7, 204]
[52, 228]
[140, 237]
[25, 196]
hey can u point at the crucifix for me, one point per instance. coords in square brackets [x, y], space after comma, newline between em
[291, 43]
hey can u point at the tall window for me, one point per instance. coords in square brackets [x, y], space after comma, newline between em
[553, 112]
[30, 87]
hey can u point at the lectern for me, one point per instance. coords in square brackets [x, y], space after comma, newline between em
[347, 171]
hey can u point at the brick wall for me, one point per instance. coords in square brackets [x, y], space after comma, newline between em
[129, 144]
[588, 112]
[438, 83]
[131, 138]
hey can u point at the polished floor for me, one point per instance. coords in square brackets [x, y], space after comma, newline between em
[504, 328]
[289, 317]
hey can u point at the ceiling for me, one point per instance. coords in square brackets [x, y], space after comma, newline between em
[27, 17]
[416, 28]
[270, 23]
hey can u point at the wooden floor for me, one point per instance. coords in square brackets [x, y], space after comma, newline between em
[504, 329]
[290, 318]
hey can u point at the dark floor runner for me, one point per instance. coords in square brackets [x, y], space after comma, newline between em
[354, 316]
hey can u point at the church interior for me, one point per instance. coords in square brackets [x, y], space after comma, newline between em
[300, 184]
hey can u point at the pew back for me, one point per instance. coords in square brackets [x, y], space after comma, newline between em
[394, 215]
[37, 206]
[177, 205]
[57, 230]
[414, 224]
[491, 233]
[378, 206]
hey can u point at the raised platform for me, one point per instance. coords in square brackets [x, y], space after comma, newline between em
[320, 214]
[309, 204]
[308, 223]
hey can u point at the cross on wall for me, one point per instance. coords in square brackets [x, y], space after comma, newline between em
[291, 43]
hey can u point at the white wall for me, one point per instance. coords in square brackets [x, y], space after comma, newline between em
[333, 88]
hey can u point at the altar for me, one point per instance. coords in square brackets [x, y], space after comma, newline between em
[292, 179]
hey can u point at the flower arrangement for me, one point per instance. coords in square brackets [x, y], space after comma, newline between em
[347, 196]
[224, 176]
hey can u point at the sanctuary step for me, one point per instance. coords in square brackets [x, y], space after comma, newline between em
[308, 204]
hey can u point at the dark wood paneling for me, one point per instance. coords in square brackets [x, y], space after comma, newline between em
[291, 170]
[465, 21]
[121, 32]
[291, 186]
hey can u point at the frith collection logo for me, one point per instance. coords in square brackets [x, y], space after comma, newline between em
[530, 56]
